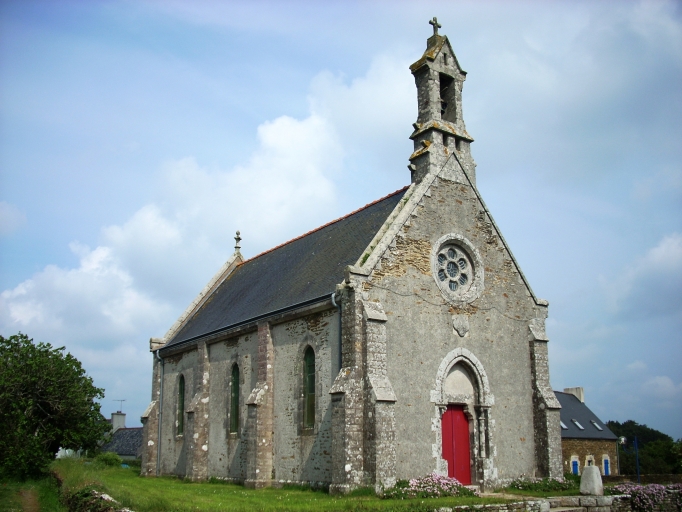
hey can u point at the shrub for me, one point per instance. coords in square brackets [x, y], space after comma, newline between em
[544, 485]
[642, 497]
[573, 479]
[430, 486]
[109, 459]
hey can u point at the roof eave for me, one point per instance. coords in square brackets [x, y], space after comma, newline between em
[277, 316]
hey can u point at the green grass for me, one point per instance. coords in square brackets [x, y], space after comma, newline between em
[9, 496]
[45, 489]
[541, 494]
[168, 494]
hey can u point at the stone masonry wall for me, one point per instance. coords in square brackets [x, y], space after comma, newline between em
[150, 425]
[173, 446]
[302, 454]
[494, 328]
[621, 503]
[584, 448]
[227, 454]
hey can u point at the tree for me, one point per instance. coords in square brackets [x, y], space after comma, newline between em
[658, 453]
[46, 402]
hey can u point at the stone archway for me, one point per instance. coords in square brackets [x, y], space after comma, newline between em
[462, 401]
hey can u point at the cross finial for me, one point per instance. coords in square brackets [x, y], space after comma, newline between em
[436, 25]
[237, 239]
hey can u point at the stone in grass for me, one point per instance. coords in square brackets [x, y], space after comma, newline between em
[590, 482]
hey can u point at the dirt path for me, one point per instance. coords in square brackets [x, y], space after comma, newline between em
[29, 500]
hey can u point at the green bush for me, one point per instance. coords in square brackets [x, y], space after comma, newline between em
[544, 485]
[429, 486]
[109, 459]
[570, 477]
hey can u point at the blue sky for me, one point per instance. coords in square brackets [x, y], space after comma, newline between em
[137, 137]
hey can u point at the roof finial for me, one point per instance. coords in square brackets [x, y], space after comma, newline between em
[436, 25]
[237, 239]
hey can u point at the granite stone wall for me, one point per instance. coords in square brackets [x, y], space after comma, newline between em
[589, 449]
[519, 412]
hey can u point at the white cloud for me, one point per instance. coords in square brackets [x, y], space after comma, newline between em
[11, 218]
[637, 366]
[652, 285]
[661, 391]
[92, 304]
[372, 110]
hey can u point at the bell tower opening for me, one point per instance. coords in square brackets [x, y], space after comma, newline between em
[448, 99]
[439, 80]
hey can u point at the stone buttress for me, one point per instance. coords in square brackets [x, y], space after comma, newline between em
[546, 407]
[259, 423]
[363, 423]
[198, 418]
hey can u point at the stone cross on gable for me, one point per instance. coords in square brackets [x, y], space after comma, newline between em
[436, 25]
[237, 239]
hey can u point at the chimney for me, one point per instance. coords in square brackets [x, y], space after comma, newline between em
[118, 420]
[576, 392]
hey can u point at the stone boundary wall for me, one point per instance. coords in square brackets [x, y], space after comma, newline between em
[591, 503]
[539, 505]
[618, 503]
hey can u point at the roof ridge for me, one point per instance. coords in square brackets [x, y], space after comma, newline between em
[325, 225]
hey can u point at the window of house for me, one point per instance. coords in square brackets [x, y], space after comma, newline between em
[234, 400]
[606, 463]
[563, 425]
[596, 425]
[181, 406]
[578, 424]
[309, 389]
[575, 464]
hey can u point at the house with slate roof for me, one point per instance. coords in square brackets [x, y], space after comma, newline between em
[399, 340]
[125, 442]
[585, 439]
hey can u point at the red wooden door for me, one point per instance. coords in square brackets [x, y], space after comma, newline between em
[456, 443]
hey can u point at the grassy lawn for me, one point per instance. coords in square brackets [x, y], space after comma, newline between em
[541, 494]
[144, 494]
[43, 493]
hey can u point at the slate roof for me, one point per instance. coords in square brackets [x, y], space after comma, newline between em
[125, 441]
[305, 269]
[573, 409]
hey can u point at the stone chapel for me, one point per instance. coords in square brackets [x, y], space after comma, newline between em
[400, 340]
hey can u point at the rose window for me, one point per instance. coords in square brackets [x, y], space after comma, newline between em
[454, 269]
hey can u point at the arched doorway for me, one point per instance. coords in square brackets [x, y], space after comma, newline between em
[463, 403]
[456, 445]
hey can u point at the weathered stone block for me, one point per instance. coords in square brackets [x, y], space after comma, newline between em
[588, 502]
[604, 501]
[570, 501]
[590, 482]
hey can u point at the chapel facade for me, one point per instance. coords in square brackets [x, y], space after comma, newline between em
[400, 340]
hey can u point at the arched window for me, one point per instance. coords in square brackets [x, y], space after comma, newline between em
[309, 389]
[234, 400]
[181, 405]
[606, 465]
